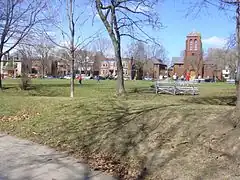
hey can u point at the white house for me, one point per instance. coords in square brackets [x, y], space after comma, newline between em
[226, 73]
[11, 67]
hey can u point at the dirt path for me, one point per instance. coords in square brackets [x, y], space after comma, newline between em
[24, 160]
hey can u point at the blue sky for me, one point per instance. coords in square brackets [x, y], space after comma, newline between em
[214, 26]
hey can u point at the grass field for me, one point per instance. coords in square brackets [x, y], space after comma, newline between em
[139, 135]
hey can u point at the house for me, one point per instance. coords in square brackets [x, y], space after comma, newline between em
[178, 66]
[109, 67]
[11, 66]
[154, 68]
[211, 70]
[226, 73]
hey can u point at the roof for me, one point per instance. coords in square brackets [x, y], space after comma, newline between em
[179, 63]
[177, 60]
[194, 34]
[157, 61]
[16, 59]
[208, 62]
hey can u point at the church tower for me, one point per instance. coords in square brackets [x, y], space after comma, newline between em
[193, 58]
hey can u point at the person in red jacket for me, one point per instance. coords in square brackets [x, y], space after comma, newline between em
[187, 76]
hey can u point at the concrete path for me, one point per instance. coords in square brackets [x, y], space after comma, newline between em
[24, 160]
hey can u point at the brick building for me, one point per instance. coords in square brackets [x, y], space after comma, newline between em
[159, 68]
[109, 67]
[193, 61]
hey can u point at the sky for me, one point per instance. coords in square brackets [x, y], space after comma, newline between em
[215, 26]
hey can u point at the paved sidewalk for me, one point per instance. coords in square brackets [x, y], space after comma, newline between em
[24, 160]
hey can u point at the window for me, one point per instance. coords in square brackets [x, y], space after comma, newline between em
[195, 45]
[190, 45]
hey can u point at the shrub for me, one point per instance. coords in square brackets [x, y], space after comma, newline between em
[135, 90]
[25, 82]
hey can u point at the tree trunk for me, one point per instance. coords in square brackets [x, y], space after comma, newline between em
[72, 75]
[43, 74]
[120, 78]
[72, 30]
[238, 55]
[1, 87]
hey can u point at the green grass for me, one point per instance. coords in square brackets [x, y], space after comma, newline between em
[128, 134]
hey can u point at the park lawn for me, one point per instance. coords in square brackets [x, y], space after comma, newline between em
[129, 136]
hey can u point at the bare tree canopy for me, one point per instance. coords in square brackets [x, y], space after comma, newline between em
[44, 51]
[69, 37]
[232, 6]
[126, 18]
[102, 45]
[17, 20]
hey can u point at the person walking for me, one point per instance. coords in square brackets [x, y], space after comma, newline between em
[98, 78]
[175, 77]
[188, 76]
[80, 79]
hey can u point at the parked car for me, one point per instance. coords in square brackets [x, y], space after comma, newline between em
[148, 78]
[199, 80]
[230, 81]
[209, 80]
[50, 77]
[87, 77]
[67, 77]
[100, 78]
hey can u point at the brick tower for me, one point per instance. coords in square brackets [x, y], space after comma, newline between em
[193, 58]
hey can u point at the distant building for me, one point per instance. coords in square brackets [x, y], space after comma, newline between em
[109, 67]
[11, 66]
[154, 68]
[193, 61]
[226, 73]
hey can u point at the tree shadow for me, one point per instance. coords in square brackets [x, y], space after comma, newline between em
[132, 140]
[213, 100]
[122, 131]
[141, 90]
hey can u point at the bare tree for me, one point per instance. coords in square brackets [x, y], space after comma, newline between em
[102, 45]
[126, 18]
[138, 51]
[84, 61]
[223, 58]
[26, 53]
[71, 38]
[157, 51]
[17, 20]
[217, 56]
[43, 51]
[232, 6]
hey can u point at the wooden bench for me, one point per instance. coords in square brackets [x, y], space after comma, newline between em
[176, 88]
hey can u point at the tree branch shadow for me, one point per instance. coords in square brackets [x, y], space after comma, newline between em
[213, 100]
